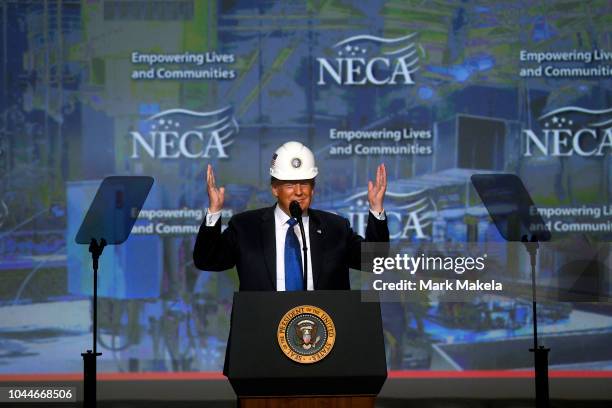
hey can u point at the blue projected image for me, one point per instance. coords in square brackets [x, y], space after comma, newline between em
[435, 92]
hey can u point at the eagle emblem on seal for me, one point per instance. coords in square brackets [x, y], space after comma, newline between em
[306, 330]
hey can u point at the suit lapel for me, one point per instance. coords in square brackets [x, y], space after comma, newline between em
[315, 235]
[268, 239]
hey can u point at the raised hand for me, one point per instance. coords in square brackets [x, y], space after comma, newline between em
[216, 195]
[376, 191]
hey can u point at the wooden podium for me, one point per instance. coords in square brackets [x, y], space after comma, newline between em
[307, 402]
[350, 374]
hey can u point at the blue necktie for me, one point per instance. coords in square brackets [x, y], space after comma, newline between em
[293, 260]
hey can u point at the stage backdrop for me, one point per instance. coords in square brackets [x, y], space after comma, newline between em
[436, 90]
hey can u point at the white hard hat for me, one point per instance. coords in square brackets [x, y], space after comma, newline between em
[293, 161]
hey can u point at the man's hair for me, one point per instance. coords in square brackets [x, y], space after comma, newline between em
[274, 180]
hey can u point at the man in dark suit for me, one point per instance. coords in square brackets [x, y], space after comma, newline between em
[266, 246]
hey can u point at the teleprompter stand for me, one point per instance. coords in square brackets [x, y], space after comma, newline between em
[513, 212]
[108, 221]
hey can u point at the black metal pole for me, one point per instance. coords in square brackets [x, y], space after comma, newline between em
[541, 377]
[534, 307]
[540, 353]
[95, 308]
[89, 358]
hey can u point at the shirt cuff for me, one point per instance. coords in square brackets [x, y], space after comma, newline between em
[212, 218]
[381, 216]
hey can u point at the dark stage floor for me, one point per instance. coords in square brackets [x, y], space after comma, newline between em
[381, 403]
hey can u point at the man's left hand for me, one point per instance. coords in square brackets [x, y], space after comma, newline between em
[376, 191]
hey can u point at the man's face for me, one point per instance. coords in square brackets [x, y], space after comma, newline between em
[294, 190]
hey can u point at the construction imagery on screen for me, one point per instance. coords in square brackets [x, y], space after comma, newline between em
[438, 91]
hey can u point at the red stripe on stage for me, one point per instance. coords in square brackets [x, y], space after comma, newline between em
[216, 375]
[500, 374]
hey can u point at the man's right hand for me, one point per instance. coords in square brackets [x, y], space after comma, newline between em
[216, 195]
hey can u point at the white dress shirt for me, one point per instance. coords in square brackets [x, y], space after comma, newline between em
[281, 226]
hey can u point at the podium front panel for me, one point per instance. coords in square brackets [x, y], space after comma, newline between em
[257, 366]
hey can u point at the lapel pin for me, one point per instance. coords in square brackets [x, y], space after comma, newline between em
[319, 231]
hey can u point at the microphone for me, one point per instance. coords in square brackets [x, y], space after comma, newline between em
[296, 212]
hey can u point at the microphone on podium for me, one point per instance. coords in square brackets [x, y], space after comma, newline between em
[296, 211]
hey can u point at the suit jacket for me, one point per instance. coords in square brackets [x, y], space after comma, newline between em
[249, 243]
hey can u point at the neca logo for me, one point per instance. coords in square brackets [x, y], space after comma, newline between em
[571, 130]
[361, 60]
[410, 215]
[181, 133]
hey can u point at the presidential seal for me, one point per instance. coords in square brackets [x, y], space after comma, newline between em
[306, 334]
